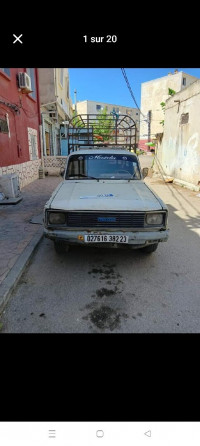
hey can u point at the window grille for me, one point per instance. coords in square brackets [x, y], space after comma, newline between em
[33, 146]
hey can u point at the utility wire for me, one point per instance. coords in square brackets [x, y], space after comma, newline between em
[17, 107]
[130, 89]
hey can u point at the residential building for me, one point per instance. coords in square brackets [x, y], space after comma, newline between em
[56, 106]
[179, 146]
[153, 93]
[20, 150]
[93, 107]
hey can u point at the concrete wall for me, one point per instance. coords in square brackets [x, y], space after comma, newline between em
[47, 85]
[180, 150]
[153, 93]
[62, 91]
[54, 88]
[82, 107]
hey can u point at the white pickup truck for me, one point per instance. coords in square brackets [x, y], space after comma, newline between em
[104, 202]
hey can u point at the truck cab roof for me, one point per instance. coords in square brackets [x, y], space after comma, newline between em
[96, 151]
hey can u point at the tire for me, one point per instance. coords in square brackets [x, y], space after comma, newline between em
[60, 246]
[149, 249]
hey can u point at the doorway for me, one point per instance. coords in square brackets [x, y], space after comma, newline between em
[47, 140]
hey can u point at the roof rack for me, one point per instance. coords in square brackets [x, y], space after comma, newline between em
[98, 131]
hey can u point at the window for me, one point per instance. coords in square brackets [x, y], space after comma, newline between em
[61, 75]
[3, 126]
[107, 166]
[33, 145]
[184, 80]
[136, 114]
[98, 107]
[32, 142]
[6, 71]
[31, 73]
[184, 118]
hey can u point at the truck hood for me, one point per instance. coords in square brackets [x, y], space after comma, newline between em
[116, 195]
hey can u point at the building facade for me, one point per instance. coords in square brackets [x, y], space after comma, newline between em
[56, 107]
[153, 93]
[179, 151]
[20, 148]
[92, 107]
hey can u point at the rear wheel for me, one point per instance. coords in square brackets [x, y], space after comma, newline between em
[60, 246]
[151, 248]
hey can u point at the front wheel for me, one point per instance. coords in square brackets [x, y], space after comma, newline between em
[149, 249]
[60, 246]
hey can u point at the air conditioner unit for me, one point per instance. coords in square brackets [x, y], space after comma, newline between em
[24, 82]
[9, 185]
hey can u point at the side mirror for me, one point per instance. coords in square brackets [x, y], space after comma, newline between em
[145, 171]
[62, 171]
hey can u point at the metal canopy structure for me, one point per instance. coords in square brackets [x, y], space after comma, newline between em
[102, 131]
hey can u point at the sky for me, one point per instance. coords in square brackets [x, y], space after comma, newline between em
[108, 84]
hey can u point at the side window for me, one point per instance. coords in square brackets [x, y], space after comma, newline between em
[6, 71]
[31, 73]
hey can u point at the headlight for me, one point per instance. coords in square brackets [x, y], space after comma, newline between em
[56, 218]
[154, 219]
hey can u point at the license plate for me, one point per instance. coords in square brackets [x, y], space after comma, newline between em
[111, 238]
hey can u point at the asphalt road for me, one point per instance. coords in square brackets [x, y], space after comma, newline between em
[91, 290]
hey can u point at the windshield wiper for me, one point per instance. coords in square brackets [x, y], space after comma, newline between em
[82, 175]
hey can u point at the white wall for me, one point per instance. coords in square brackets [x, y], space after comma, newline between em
[180, 151]
[153, 93]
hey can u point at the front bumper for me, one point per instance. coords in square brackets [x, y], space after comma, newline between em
[136, 238]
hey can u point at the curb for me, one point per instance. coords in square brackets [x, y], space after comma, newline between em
[187, 185]
[176, 181]
[12, 279]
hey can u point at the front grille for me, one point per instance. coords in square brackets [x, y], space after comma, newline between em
[100, 220]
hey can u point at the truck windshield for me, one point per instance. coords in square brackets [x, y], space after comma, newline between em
[103, 166]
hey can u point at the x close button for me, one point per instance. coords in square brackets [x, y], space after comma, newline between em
[17, 38]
